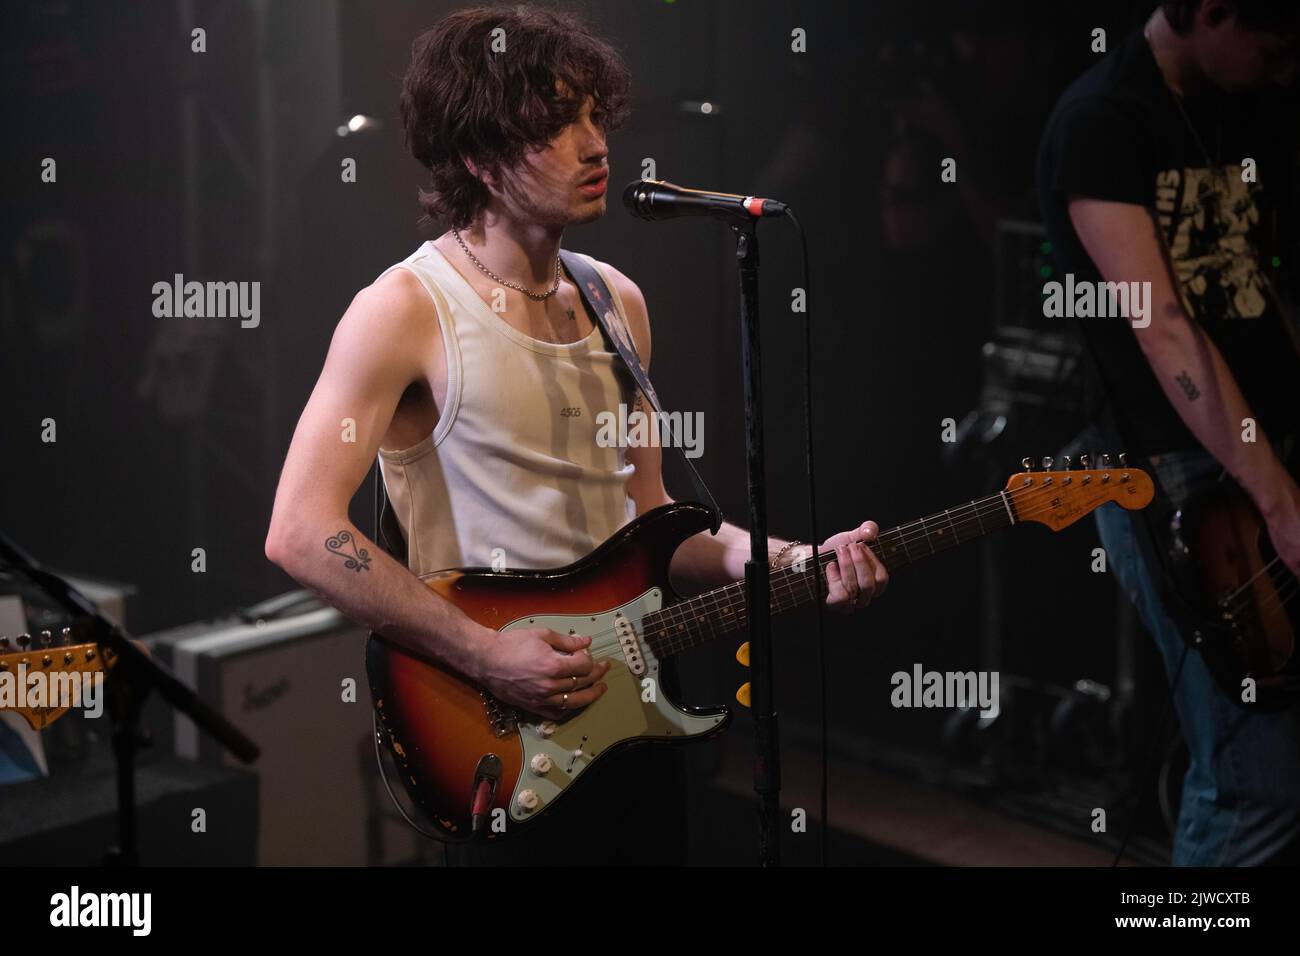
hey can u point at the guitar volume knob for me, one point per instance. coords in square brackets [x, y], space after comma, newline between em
[541, 764]
[527, 801]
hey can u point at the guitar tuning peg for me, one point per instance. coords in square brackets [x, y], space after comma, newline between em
[1123, 460]
[1047, 462]
[4, 640]
[1083, 462]
[1067, 462]
[66, 634]
[24, 640]
[46, 637]
[1026, 463]
[1105, 461]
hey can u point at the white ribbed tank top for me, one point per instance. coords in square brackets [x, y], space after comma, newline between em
[512, 475]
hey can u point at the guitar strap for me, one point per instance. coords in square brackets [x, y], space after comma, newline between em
[598, 301]
[600, 307]
[388, 533]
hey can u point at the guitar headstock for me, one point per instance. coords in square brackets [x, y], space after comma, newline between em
[1060, 498]
[48, 655]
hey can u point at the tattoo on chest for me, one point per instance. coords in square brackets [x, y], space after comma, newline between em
[358, 560]
[572, 317]
[1189, 387]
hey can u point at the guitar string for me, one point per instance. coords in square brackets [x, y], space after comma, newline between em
[1268, 607]
[1247, 583]
[678, 615]
[1272, 603]
[1279, 581]
[1282, 580]
[613, 651]
[1276, 604]
[787, 584]
[784, 588]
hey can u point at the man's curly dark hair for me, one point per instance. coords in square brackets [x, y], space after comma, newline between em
[464, 97]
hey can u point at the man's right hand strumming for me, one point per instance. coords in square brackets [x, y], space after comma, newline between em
[541, 671]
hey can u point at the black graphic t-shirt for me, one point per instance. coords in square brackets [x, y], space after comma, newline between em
[1118, 134]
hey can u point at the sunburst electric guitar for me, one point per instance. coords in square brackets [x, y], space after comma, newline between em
[468, 760]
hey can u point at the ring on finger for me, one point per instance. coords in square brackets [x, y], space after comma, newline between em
[564, 702]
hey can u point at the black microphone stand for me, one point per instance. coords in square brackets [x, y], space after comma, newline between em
[767, 755]
[652, 200]
[133, 675]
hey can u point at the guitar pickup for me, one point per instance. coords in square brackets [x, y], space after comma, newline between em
[627, 640]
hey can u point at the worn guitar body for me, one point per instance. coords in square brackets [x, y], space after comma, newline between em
[479, 769]
[1252, 618]
[451, 742]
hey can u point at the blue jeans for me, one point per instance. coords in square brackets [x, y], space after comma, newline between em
[1241, 795]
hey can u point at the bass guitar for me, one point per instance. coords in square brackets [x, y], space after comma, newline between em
[479, 768]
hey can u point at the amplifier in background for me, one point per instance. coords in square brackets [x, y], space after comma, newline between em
[296, 684]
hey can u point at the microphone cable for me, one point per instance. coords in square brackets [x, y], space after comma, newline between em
[823, 748]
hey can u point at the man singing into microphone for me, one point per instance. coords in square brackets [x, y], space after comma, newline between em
[462, 367]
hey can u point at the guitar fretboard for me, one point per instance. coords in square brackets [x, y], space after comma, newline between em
[723, 610]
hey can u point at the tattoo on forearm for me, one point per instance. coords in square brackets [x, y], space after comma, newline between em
[358, 561]
[1189, 387]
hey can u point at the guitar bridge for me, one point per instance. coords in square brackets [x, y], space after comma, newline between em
[503, 719]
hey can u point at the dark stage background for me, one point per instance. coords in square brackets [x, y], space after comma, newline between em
[225, 166]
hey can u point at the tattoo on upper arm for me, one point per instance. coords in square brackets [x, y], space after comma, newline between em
[358, 561]
[1189, 387]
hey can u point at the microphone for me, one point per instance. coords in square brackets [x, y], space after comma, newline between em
[652, 199]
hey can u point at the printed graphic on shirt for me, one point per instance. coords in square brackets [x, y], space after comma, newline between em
[1207, 216]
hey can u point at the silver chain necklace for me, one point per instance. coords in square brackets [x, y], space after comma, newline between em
[539, 296]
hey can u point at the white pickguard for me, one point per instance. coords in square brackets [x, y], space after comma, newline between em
[634, 706]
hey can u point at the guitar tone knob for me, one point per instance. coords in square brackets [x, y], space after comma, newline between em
[547, 728]
[541, 764]
[527, 801]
